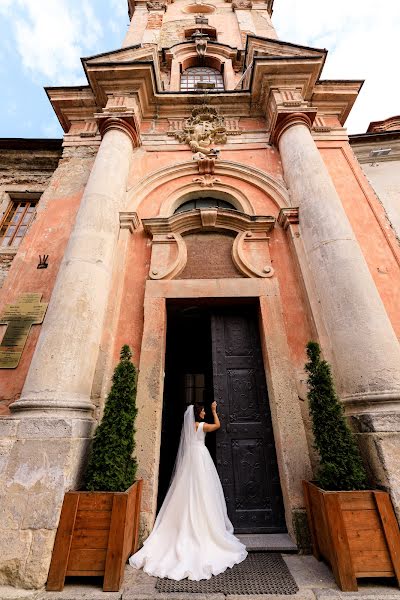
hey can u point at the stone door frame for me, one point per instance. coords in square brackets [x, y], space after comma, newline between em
[290, 438]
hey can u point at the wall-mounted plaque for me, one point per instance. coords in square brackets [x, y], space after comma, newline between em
[19, 317]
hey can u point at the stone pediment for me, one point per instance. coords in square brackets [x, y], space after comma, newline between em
[124, 55]
[259, 46]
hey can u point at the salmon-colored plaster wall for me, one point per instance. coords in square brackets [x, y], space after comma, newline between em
[294, 309]
[370, 225]
[48, 234]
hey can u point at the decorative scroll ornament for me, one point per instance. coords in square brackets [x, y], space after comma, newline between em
[250, 249]
[203, 129]
[206, 180]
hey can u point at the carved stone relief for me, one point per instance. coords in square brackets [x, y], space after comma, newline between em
[204, 129]
[156, 5]
[242, 5]
[206, 180]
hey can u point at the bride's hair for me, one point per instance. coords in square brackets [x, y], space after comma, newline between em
[197, 410]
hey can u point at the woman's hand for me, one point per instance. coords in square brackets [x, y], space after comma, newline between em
[214, 407]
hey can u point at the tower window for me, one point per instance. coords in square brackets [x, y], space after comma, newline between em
[16, 221]
[196, 78]
[204, 203]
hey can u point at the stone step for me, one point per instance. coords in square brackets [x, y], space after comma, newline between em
[267, 542]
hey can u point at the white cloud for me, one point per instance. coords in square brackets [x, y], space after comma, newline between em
[51, 36]
[361, 37]
[119, 7]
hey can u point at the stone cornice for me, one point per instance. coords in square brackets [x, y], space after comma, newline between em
[129, 220]
[210, 218]
[390, 124]
[336, 97]
[288, 217]
[72, 103]
[132, 72]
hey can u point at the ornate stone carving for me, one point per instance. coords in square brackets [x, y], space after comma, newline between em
[156, 5]
[203, 129]
[205, 164]
[242, 5]
[250, 250]
[206, 180]
[201, 44]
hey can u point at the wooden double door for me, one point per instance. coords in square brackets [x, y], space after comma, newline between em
[245, 449]
[215, 353]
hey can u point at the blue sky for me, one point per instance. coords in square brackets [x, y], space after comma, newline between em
[41, 42]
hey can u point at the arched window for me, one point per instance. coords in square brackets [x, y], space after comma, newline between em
[197, 78]
[204, 203]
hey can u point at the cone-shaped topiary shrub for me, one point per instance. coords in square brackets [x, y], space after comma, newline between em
[111, 467]
[340, 462]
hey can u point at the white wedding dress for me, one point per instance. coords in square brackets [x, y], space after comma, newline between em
[192, 536]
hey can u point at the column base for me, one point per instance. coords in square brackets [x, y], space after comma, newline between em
[381, 454]
[372, 402]
[40, 458]
[375, 418]
[78, 408]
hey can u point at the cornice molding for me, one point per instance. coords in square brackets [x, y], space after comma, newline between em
[288, 217]
[129, 220]
[135, 72]
[208, 218]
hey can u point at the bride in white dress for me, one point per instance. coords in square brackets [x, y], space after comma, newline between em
[192, 536]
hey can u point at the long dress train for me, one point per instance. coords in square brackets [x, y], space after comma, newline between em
[192, 536]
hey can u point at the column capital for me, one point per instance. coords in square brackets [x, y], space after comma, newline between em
[286, 120]
[287, 107]
[125, 123]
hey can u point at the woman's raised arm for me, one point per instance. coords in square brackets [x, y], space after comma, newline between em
[207, 427]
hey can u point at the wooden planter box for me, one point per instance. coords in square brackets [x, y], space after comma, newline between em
[355, 532]
[96, 534]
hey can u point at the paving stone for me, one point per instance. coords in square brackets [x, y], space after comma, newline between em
[80, 591]
[275, 542]
[133, 595]
[301, 595]
[12, 593]
[309, 572]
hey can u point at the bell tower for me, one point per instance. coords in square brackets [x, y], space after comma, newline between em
[211, 28]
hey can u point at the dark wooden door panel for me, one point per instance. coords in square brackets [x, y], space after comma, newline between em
[245, 449]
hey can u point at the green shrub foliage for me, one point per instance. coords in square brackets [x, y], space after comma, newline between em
[111, 467]
[340, 462]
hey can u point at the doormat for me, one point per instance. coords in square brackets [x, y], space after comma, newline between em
[259, 573]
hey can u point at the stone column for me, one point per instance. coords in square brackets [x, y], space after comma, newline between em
[367, 352]
[43, 446]
[62, 368]
[365, 348]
